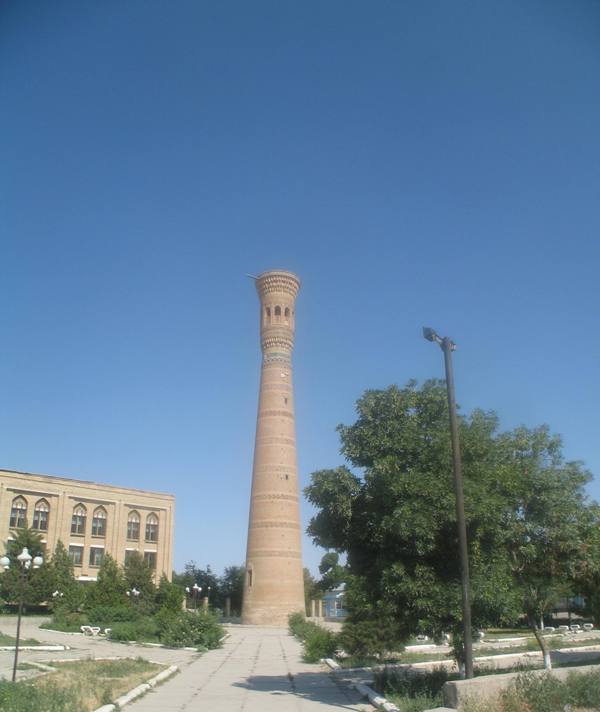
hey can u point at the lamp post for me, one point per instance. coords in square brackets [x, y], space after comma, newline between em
[25, 562]
[448, 346]
[194, 591]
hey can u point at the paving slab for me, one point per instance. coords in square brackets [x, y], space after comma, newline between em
[258, 669]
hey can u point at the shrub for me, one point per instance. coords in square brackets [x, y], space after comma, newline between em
[318, 642]
[200, 630]
[67, 621]
[367, 639]
[144, 629]
[109, 615]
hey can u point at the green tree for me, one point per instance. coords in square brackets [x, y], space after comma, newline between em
[37, 583]
[552, 527]
[311, 590]
[205, 578]
[332, 572]
[232, 584]
[139, 575]
[110, 586]
[67, 594]
[588, 577]
[397, 524]
[169, 596]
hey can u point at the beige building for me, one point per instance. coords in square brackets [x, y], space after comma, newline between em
[90, 519]
[274, 585]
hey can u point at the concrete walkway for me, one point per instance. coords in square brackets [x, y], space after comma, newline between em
[81, 647]
[257, 670]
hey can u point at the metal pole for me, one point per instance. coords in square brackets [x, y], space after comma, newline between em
[447, 347]
[21, 595]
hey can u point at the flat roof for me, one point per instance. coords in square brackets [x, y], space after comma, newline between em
[88, 482]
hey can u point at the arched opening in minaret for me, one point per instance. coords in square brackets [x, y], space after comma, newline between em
[268, 315]
[249, 578]
[286, 315]
[277, 314]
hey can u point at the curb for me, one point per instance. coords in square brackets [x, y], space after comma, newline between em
[139, 690]
[374, 697]
[43, 648]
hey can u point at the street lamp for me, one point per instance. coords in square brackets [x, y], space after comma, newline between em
[135, 593]
[448, 346]
[25, 563]
[194, 592]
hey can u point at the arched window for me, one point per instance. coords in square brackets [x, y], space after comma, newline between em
[133, 526]
[287, 313]
[18, 513]
[78, 520]
[152, 527]
[99, 522]
[40, 515]
[277, 313]
[267, 315]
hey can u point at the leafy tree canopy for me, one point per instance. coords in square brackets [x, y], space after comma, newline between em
[396, 522]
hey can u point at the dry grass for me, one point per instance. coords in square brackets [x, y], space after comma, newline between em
[98, 682]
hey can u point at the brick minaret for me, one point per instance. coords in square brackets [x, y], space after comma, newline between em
[274, 586]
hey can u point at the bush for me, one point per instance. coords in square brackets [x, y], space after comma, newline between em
[144, 629]
[109, 615]
[318, 642]
[67, 622]
[199, 630]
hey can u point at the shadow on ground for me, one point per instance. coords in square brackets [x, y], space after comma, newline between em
[317, 687]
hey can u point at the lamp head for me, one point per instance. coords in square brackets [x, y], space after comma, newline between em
[24, 557]
[430, 334]
[37, 562]
[5, 562]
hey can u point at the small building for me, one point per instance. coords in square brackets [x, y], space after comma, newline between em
[90, 519]
[333, 602]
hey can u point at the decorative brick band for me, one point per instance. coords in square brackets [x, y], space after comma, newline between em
[276, 414]
[274, 524]
[281, 282]
[259, 553]
[276, 440]
[276, 496]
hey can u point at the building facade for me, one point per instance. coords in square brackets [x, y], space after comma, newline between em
[90, 519]
[274, 584]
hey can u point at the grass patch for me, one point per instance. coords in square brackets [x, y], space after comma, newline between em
[9, 640]
[78, 686]
[412, 693]
[544, 693]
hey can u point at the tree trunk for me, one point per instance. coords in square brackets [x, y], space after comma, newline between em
[541, 642]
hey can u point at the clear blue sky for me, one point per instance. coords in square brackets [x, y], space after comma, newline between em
[414, 162]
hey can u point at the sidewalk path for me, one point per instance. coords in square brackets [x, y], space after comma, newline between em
[81, 647]
[257, 670]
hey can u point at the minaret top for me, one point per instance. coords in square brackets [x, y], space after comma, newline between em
[277, 291]
[277, 281]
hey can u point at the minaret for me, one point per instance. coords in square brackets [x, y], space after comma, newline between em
[274, 586]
